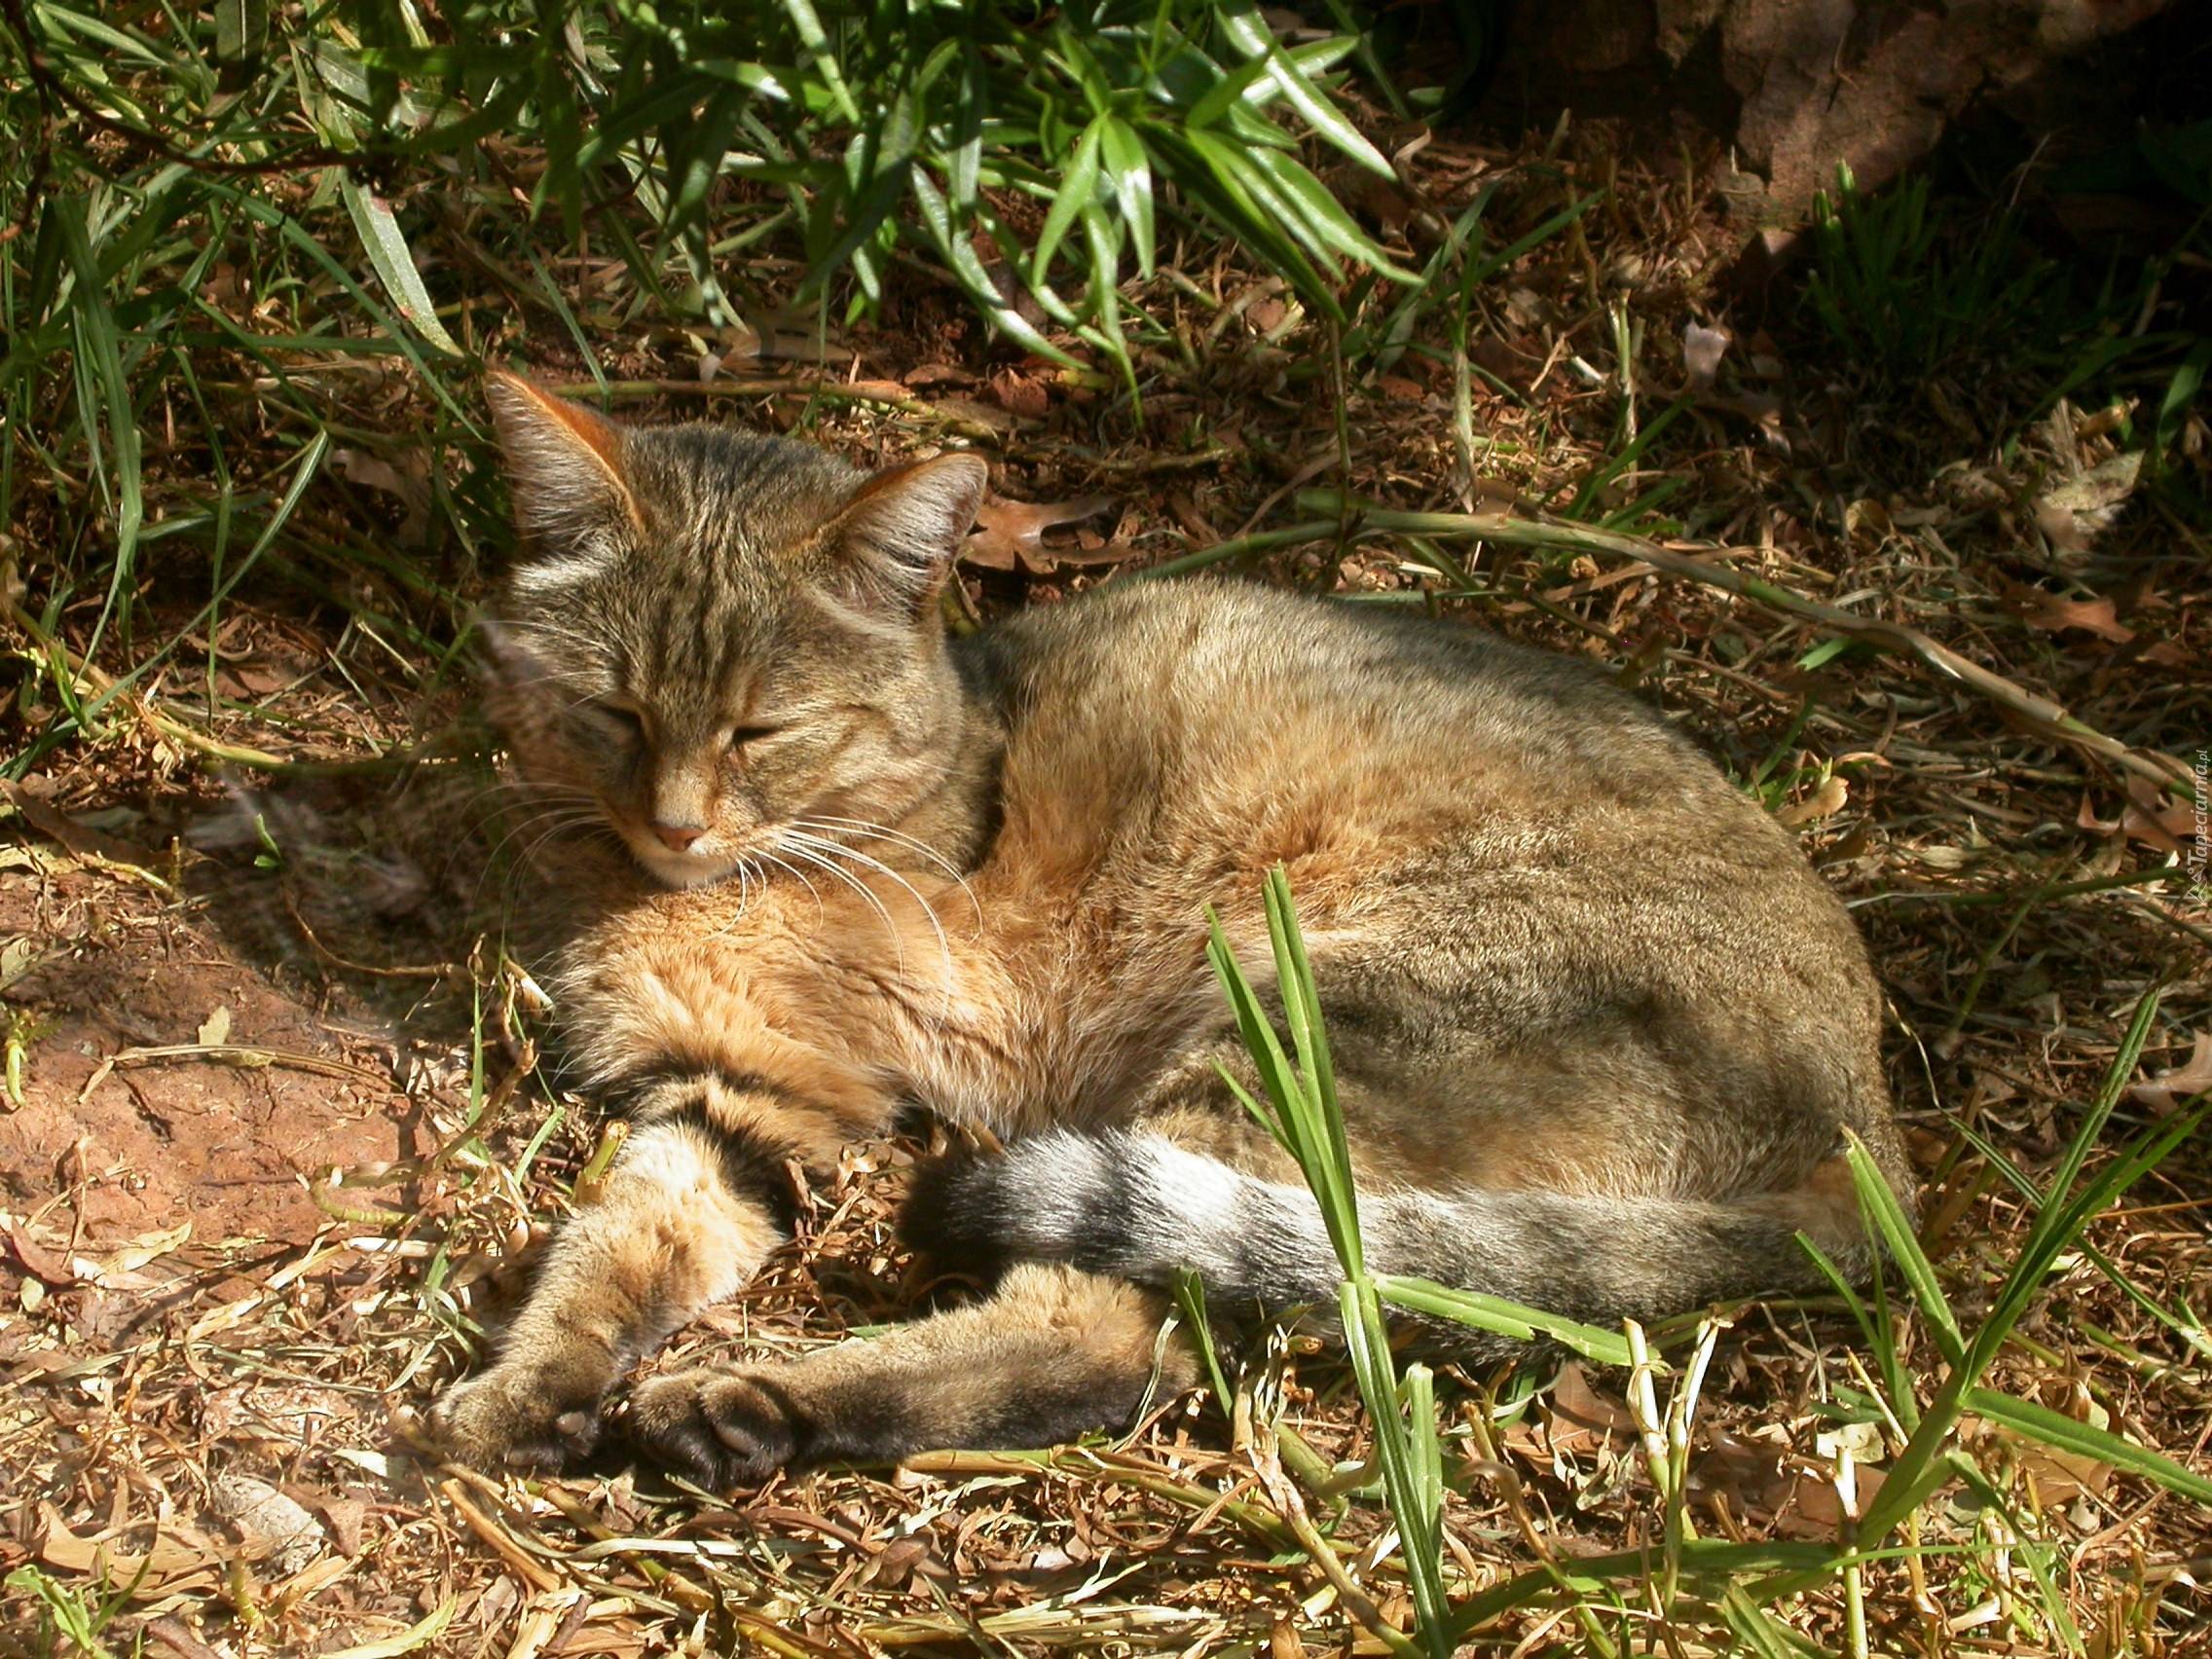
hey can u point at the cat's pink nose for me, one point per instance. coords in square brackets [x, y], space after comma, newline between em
[678, 837]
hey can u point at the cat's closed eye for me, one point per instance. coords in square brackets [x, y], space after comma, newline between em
[741, 735]
[620, 719]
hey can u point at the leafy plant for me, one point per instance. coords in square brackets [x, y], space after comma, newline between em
[1908, 291]
[1023, 152]
[1707, 1581]
[71, 1620]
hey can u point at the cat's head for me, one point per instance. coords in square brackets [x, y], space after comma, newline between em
[719, 639]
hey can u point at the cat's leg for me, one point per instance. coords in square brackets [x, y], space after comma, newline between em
[1053, 1354]
[687, 1214]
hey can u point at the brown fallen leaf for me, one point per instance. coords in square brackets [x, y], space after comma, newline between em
[81, 839]
[1813, 1509]
[1827, 801]
[168, 1565]
[410, 482]
[275, 1525]
[1019, 395]
[1581, 1419]
[981, 414]
[2170, 1089]
[2050, 613]
[937, 373]
[1010, 536]
[43, 1264]
[2149, 815]
[2059, 1476]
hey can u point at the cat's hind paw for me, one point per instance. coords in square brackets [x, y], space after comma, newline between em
[719, 1430]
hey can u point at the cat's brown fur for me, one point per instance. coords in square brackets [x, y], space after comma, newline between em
[1599, 1030]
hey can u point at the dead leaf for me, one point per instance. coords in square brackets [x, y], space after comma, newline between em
[1813, 1509]
[80, 839]
[979, 413]
[167, 1566]
[118, 1267]
[43, 1263]
[1581, 1419]
[2100, 618]
[1870, 516]
[1702, 350]
[215, 1029]
[1011, 536]
[2047, 611]
[2165, 1093]
[2074, 514]
[277, 1526]
[1824, 802]
[1021, 395]
[2061, 1477]
[938, 374]
[409, 481]
[343, 1517]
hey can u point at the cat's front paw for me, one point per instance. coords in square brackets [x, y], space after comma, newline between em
[719, 1430]
[523, 1415]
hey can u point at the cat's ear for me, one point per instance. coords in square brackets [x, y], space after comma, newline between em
[563, 463]
[901, 533]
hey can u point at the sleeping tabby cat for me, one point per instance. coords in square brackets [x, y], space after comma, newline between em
[1598, 1029]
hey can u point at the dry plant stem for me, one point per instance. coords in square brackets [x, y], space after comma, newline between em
[1262, 1523]
[2047, 717]
[836, 390]
[175, 730]
[531, 1572]
[1258, 1439]
[241, 1055]
[1487, 1462]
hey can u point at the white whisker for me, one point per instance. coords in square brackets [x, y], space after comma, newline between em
[834, 827]
[800, 876]
[943, 946]
[785, 844]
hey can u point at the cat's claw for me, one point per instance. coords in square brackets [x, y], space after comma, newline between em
[719, 1430]
[520, 1417]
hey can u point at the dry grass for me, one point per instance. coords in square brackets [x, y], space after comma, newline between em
[208, 1436]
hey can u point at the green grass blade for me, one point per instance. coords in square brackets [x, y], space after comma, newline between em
[1887, 1219]
[101, 366]
[1243, 26]
[1500, 1318]
[2063, 1433]
[1077, 187]
[808, 23]
[1129, 173]
[395, 263]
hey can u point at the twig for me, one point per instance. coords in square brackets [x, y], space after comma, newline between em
[2047, 717]
[184, 736]
[836, 392]
[245, 1057]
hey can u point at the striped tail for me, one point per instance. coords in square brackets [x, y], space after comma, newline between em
[1138, 1206]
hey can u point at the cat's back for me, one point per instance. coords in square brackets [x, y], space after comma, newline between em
[1205, 684]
